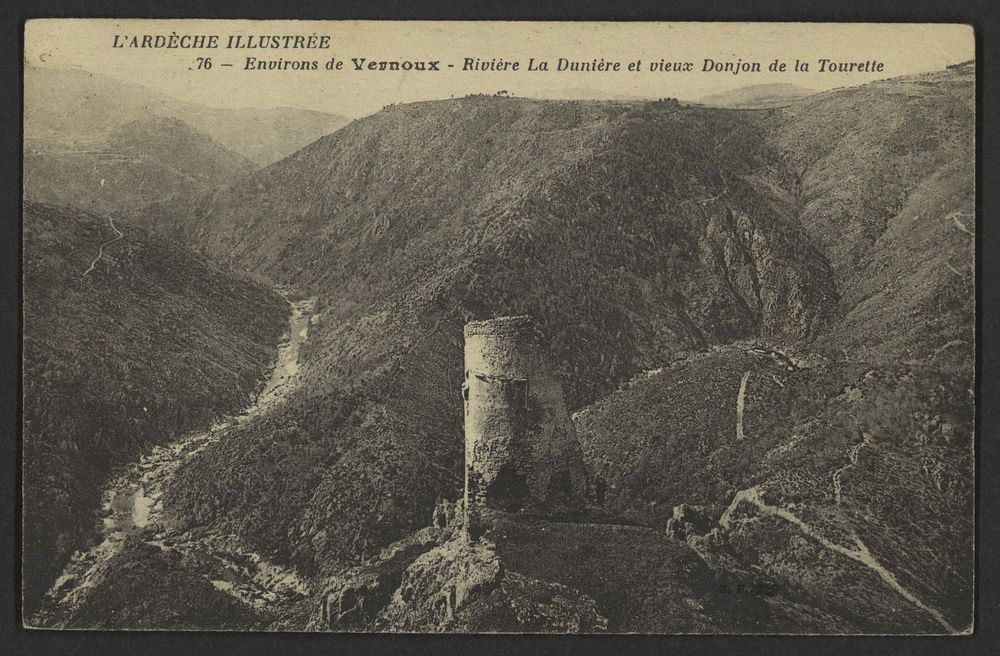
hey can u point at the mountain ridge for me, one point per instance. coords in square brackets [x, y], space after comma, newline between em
[758, 95]
[134, 164]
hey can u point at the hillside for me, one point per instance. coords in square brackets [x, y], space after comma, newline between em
[529, 575]
[151, 342]
[872, 459]
[136, 164]
[633, 234]
[76, 107]
[264, 135]
[886, 184]
[866, 437]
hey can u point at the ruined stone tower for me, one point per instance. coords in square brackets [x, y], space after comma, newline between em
[521, 450]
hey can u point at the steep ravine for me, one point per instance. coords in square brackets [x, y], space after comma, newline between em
[132, 510]
[151, 343]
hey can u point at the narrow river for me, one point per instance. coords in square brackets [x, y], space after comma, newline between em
[132, 504]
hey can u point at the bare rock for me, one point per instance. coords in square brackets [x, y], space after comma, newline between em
[687, 521]
[438, 583]
[354, 599]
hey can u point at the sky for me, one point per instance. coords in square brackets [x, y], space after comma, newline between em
[88, 44]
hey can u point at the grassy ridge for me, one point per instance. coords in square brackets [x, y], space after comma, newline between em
[152, 342]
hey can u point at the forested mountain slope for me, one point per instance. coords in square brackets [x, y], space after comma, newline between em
[632, 233]
[121, 350]
[886, 183]
[849, 479]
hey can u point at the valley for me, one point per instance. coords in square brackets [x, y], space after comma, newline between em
[131, 513]
[761, 315]
[76, 107]
[149, 344]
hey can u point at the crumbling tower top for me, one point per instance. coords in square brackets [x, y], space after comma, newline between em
[505, 346]
[511, 325]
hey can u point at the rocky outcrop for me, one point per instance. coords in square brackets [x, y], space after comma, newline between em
[781, 280]
[688, 520]
[465, 586]
[441, 582]
[525, 604]
[437, 580]
[354, 599]
[447, 514]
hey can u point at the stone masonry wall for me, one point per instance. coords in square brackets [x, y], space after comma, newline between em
[521, 450]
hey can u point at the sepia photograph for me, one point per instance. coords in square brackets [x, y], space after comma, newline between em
[498, 327]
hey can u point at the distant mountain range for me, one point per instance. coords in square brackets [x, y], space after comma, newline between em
[757, 95]
[71, 106]
[747, 97]
[112, 147]
[584, 93]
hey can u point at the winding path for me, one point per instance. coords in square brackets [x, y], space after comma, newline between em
[861, 554]
[852, 457]
[100, 251]
[958, 224]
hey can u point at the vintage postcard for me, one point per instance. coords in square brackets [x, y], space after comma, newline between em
[498, 327]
